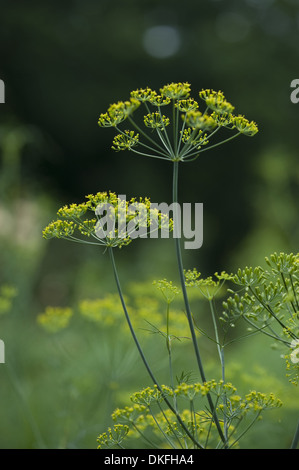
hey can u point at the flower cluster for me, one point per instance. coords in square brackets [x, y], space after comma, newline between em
[208, 288]
[244, 126]
[7, 294]
[268, 300]
[186, 105]
[149, 395]
[168, 289]
[146, 418]
[216, 101]
[147, 311]
[109, 220]
[106, 311]
[146, 306]
[118, 112]
[113, 437]
[196, 120]
[156, 121]
[193, 130]
[125, 141]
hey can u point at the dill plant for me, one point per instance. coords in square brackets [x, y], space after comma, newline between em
[204, 413]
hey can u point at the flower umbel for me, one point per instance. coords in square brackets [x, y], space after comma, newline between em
[108, 220]
[180, 132]
[216, 101]
[176, 91]
[118, 112]
[55, 319]
[125, 141]
[147, 419]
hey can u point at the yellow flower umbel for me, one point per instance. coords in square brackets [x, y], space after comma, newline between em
[54, 319]
[146, 418]
[176, 91]
[182, 130]
[108, 220]
[118, 112]
[216, 101]
[7, 294]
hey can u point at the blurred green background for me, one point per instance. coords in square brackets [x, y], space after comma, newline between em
[64, 63]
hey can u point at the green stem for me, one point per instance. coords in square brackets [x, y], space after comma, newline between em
[187, 151]
[143, 436]
[222, 362]
[170, 150]
[188, 147]
[262, 330]
[161, 137]
[110, 249]
[167, 330]
[186, 300]
[245, 430]
[161, 430]
[141, 131]
[176, 126]
[148, 155]
[168, 345]
[295, 441]
[181, 135]
[294, 291]
[287, 291]
[170, 425]
[219, 348]
[162, 152]
[193, 417]
[269, 309]
[181, 273]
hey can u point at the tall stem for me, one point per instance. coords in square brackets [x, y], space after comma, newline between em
[128, 317]
[181, 271]
[222, 362]
[186, 300]
[110, 249]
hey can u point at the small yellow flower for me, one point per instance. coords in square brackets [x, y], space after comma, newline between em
[176, 91]
[197, 120]
[144, 94]
[186, 105]
[59, 229]
[156, 121]
[118, 112]
[216, 101]
[125, 141]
